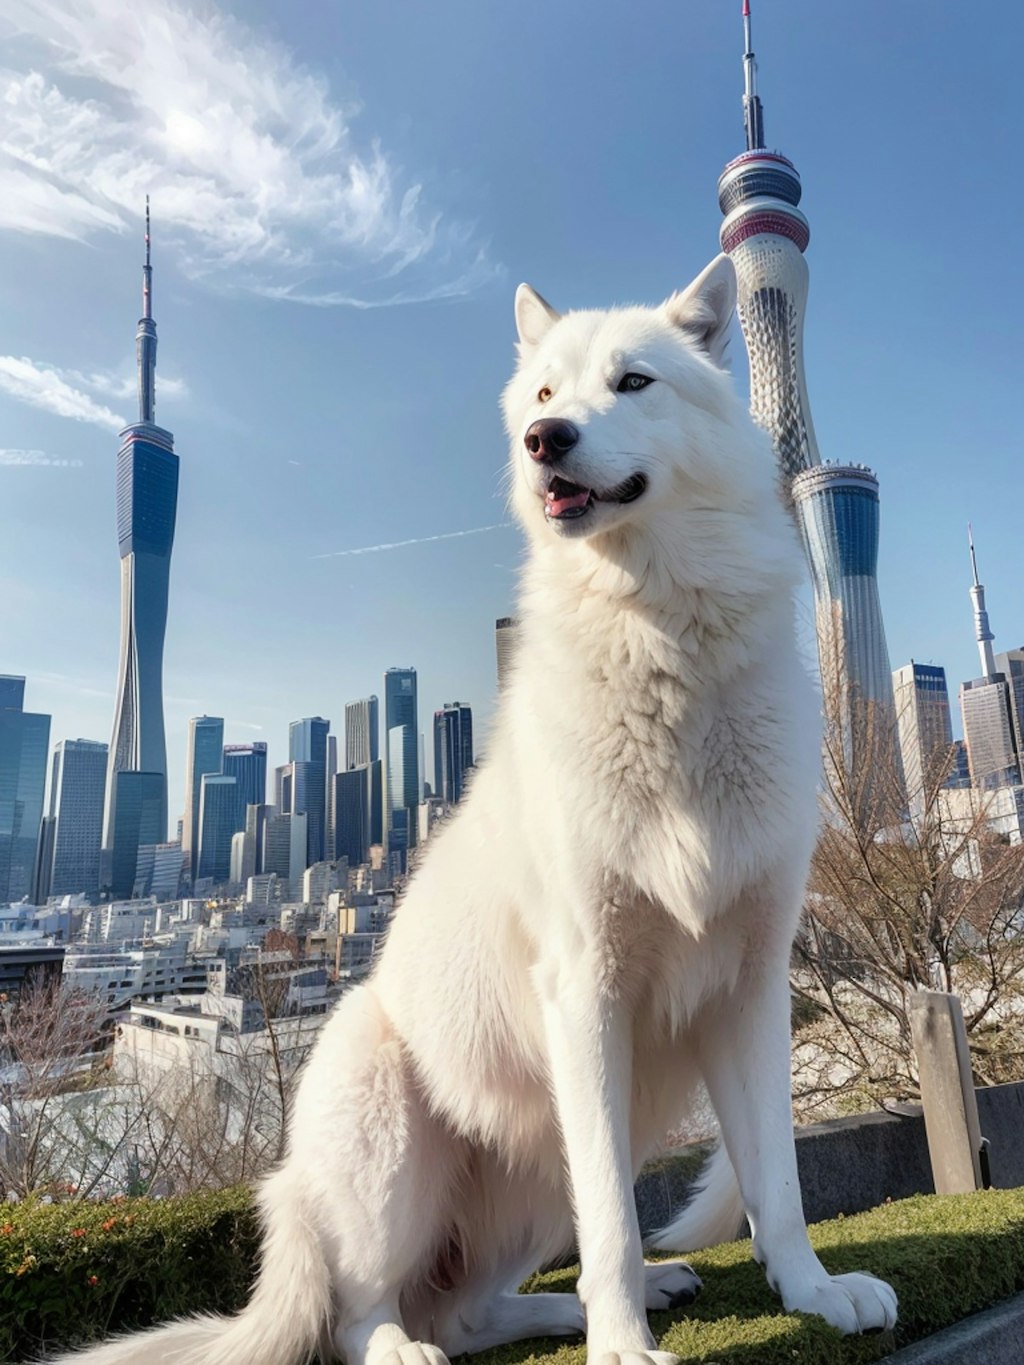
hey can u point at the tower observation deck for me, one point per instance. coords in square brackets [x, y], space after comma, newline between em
[147, 500]
[765, 234]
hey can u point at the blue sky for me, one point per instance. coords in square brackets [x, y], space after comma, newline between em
[344, 199]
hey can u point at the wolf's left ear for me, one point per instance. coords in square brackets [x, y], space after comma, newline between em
[534, 315]
[704, 310]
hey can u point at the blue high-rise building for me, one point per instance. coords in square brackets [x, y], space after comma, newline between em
[838, 513]
[147, 501]
[307, 744]
[24, 741]
[247, 764]
[77, 783]
[221, 816]
[351, 807]
[138, 806]
[377, 789]
[401, 759]
[453, 750]
[205, 755]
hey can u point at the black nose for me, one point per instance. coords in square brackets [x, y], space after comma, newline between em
[550, 438]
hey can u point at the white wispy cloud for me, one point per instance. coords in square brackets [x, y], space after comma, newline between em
[124, 385]
[417, 540]
[37, 459]
[71, 393]
[254, 166]
[41, 386]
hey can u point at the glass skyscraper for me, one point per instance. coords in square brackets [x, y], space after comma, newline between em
[506, 632]
[139, 804]
[351, 805]
[402, 759]
[361, 729]
[925, 728]
[838, 513]
[453, 750]
[247, 764]
[205, 755]
[1010, 663]
[988, 732]
[221, 816]
[307, 745]
[24, 741]
[77, 784]
[147, 501]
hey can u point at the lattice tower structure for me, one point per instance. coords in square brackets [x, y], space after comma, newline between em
[765, 234]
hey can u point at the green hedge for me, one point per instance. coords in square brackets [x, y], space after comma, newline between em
[73, 1272]
[70, 1273]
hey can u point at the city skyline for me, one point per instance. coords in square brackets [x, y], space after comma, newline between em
[415, 395]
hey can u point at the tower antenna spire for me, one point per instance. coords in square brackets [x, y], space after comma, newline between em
[147, 274]
[982, 631]
[753, 117]
[145, 339]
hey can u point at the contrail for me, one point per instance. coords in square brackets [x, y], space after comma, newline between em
[419, 540]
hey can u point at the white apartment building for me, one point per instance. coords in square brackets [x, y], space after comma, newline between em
[152, 970]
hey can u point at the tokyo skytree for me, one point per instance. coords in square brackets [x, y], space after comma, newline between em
[836, 505]
[147, 501]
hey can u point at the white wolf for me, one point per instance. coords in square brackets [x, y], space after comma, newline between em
[605, 923]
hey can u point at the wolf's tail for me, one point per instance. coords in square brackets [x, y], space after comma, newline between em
[282, 1322]
[713, 1214]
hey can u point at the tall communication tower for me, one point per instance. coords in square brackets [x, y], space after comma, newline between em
[836, 505]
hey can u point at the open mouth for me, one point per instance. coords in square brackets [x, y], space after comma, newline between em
[566, 501]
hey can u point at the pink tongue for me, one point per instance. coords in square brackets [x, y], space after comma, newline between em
[556, 506]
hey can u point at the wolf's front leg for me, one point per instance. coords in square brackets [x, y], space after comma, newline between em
[744, 1052]
[590, 1046]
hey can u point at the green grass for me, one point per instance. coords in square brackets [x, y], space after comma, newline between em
[73, 1272]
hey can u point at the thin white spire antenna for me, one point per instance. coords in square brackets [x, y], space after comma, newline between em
[974, 558]
[145, 338]
[753, 118]
[982, 631]
[749, 64]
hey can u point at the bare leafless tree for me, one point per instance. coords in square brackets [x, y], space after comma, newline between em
[50, 1046]
[908, 890]
[75, 1124]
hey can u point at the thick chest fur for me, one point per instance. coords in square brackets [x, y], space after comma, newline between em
[678, 763]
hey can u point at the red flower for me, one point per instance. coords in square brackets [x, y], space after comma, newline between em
[94, 1280]
[110, 1223]
[7, 1227]
[78, 1232]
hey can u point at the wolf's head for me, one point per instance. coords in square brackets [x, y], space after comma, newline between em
[625, 422]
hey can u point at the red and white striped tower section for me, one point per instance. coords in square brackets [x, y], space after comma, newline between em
[836, 506]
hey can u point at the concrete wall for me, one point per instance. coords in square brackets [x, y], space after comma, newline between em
[847, 1165]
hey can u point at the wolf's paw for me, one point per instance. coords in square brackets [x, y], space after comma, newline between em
[853, 1303]
[632, 1358]
[670, 1284]
[414, 1353]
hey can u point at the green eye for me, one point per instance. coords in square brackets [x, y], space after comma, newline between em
[633, 383]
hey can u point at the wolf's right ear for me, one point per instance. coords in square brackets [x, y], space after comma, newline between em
[704, 310]
[534, 315]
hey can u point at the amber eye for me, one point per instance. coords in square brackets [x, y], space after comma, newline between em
[544, 394]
